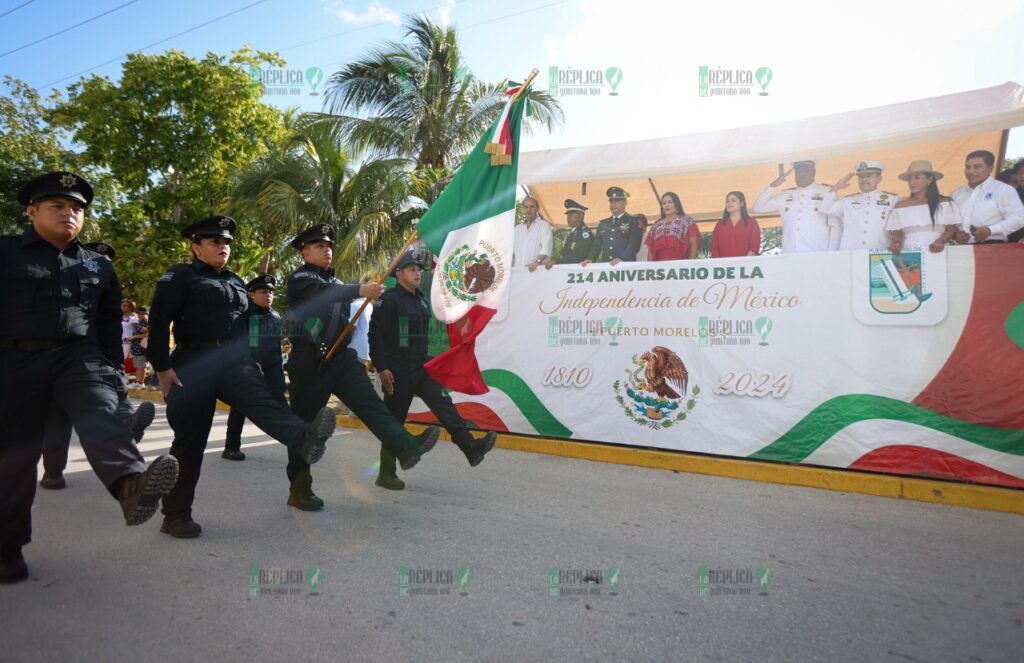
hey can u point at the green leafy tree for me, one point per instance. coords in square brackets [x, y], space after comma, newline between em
[417, 99]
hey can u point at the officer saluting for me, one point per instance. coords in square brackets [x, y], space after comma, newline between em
[265, 345]
[57, 436]
[619, 236]
[399, 346]
[805, 226]
[60, 343]
[208, 306]
[319, 313]
[579, 242]
[858, 221]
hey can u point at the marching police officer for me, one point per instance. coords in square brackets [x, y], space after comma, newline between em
[399, 346]
[858, 221]
[319, 313]
[208, 306]
[57, 435]
[265, 346]
[580, 240]
[619, 236]
[60, 342]
[805, 225]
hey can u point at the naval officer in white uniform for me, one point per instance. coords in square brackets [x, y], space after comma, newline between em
[804, 224]
[858, 221]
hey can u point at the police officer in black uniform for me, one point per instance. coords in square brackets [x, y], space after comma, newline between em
[319, 313]
[265, 345]
[620, 235]
[60, 342]
[57, 435]
[209, 308]
[399, 346]
[579, 242]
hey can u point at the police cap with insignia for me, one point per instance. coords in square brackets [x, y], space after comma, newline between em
[60, 184]
[102, 248]
[869, 167]
[321, 232]
[573, 206]
[410, 257]
[262, 282]
[616, 193]
[212, 226]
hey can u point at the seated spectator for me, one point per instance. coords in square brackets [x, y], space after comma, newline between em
[926, 218]
[738, 233]
[674, 236]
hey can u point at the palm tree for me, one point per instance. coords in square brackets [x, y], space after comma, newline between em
[312, 178]
[416, 99]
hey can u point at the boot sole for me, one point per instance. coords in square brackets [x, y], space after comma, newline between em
[323, 428]
[426, 443]
[304, 508]
[142, 418]
[489, 440]
[162, 479]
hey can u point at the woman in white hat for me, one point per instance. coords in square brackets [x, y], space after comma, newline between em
[926, 218]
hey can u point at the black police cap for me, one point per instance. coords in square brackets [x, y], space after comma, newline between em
[573, 206]
[59, 184]
[264, 281]
[321, 232]
[212, 226]
[102, 248]
[410, 257]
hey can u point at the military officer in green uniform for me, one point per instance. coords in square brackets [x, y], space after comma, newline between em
[619, 236]
[580, 241]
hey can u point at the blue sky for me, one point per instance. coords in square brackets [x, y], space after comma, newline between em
[825, 58]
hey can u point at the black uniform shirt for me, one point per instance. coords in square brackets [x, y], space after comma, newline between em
[265, 336]
[400, 329]
[58, 295]
[319, 305]
[204, 305]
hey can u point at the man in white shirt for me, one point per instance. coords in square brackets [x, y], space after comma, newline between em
[991, 209]
[532, 243]
[858, 221]
[804, 225]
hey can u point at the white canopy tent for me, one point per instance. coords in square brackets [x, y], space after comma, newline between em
[703, 167]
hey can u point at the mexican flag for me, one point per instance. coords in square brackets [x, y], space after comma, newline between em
[470, 230]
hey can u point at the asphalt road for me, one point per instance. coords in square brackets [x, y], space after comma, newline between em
[852, 577]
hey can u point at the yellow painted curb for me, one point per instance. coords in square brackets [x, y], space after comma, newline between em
[991, 498]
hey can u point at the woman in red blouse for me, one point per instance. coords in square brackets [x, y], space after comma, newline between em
[731, 238]
[674, 236]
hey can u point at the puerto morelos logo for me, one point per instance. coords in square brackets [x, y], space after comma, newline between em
[469, 273]
[897, 282]
[654, 392]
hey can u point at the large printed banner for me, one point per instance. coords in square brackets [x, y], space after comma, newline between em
[909, 364]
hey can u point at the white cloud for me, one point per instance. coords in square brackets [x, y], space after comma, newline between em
[444, 13]
[372, 13]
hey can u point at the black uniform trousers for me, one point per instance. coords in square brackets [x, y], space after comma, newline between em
[230, 374]
[273, 375]
[57, 436]
[78, 379]
[345, 377]
[411, 379]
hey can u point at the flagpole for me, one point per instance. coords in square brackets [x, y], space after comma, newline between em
[369, 300]
[412, 238]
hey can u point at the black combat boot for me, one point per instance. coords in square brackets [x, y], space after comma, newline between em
[476, 448]
[425, 441]
[52, 481]
[140, 420]
[388, 475]
[314, 441]
[140, 494]
[181, 528]
[301, 495]
[12, 565]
